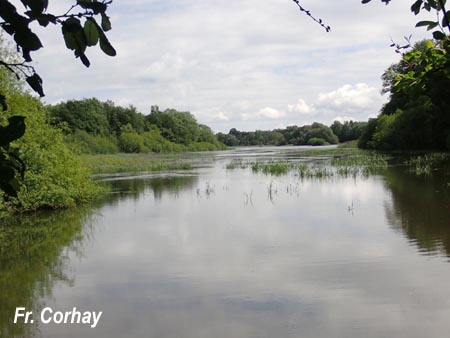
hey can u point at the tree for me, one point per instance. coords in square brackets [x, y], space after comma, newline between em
[416, 115]
[77, 36]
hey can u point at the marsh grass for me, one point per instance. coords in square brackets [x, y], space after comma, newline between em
[423, 165]
[272, 168]
[321, 164]
[120, 163]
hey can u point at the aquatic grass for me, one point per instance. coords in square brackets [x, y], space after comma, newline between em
[423, 165]
[345, 162]
[367, 159]
[237, 163]
[120, 163]
[273, 168]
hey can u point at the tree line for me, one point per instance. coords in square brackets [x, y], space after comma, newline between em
[314, 135]
[96, 127]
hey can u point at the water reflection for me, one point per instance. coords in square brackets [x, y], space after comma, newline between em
[33, 257]
[421, 209]
[133, 187]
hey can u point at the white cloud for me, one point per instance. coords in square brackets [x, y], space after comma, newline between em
[350, 99]
[300, 107]
[264, 113]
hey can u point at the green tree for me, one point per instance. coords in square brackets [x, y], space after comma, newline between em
[87, 115]
[416, 115]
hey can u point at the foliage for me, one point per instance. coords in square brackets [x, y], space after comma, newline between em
[82, 142]
[77, 37]
[291, 135]
[348, 131]
[416, 116]
[178, 127]
[127, 130]
[54, 177]
[86, 115]
[317, 141]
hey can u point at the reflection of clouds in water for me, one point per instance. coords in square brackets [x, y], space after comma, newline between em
[303, 266]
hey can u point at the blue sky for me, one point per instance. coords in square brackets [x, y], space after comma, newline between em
[246, 64]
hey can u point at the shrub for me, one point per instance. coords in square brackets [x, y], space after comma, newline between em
[54, 176]
[131, 142]
[317, 141]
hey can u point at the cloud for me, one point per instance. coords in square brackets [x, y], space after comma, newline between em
[300, 107]
[265, 113]
[350, 99]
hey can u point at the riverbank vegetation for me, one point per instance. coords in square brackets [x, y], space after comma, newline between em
[94, 127]
[132, 163]
[315, 134]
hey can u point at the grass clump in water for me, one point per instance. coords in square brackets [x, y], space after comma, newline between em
[272, 168]
[422, 165]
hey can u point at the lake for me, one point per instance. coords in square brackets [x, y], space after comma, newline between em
[215, 252]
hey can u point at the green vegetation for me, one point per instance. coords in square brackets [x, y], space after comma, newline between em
[107, 164]
[348, 131]
[94, 127]
[315, 134]
[323, 163]
[426, 163]
[416, 115]
[54, 178]
[77, 37]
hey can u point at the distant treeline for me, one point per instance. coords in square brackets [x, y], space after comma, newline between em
[314, 134]
[98, 127]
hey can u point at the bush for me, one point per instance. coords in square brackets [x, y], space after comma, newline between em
[54, 176]
[131, 142]
[316, 141]
[86, 143]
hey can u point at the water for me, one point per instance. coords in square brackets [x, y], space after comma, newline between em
[229, 253]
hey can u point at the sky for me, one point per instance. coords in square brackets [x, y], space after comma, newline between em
[242, 64]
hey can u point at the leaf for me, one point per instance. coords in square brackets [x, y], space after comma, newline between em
[85, 60]
[95, 6]
[91, 32]
[27, 40]
[429, 24]
[446, 19]
[106, 23]
[3, 103]
[415, 8]
[13, 131]
[438, 35]
[365, 1]
[425, 23]
[106, 46]
[74, 36]
[35, 83]
[8, 182]
[38, 6]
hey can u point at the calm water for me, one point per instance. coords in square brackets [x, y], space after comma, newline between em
[229, 253]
